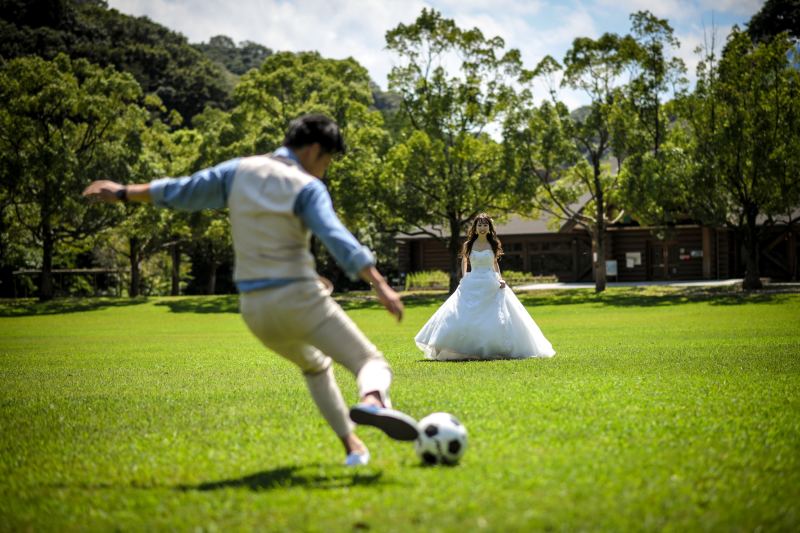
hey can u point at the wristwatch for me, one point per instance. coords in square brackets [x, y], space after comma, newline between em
[122, 194]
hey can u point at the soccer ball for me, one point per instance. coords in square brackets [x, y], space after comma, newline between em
[442, 439]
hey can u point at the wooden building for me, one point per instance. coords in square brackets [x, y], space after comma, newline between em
[633, 253]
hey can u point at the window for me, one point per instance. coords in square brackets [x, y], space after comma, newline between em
[547, 264]
[511, 262]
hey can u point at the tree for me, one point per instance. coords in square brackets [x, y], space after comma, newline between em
[652, 154]
[445, 167]
[147, 230]
[216, 244]
[64, 122]
[775, 17]
[237, 59]
[744, 116]
[575, 182]
[655, 71]
[284, 87]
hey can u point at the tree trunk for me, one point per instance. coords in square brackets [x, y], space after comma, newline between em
[133, 289]
[599, 236]
[752, 280]
[452, 247]
[212, 279]
[657, 142]
[46, 286]
[599, 248]
[176, 270]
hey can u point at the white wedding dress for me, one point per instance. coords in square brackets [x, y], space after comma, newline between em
[482, 321]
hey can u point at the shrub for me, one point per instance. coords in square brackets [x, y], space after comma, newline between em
[517, 278]
[430, 279]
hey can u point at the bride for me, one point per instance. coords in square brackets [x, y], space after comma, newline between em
[482, 319]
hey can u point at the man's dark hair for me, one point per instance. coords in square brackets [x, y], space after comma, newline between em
[315, 128]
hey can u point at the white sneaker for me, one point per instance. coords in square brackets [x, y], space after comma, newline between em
[357, 458]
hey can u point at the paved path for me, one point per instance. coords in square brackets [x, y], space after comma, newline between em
[590, 285]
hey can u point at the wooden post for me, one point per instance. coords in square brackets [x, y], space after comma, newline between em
[575, 259]
[706, 252]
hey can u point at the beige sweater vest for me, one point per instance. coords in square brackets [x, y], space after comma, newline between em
[269, 240]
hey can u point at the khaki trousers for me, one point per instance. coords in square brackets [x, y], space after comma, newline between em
[300, 322]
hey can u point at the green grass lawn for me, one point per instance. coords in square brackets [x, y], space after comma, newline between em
[661, 410]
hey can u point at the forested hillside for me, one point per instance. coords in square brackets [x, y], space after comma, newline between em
[161, 60]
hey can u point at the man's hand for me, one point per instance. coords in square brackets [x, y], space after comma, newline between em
[103, 191]
[503, 284]
[390, 300]
[386, 295]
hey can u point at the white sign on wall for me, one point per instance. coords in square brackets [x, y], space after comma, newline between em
[633, 259]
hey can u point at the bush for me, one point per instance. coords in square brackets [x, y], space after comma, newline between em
[437, 279]
[516, 278]
[431, 279]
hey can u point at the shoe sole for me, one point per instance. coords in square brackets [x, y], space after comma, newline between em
[397, 425]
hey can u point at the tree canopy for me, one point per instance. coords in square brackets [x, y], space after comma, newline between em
[455, 85]
[64, 122]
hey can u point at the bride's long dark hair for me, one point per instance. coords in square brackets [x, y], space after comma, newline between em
[472, 236]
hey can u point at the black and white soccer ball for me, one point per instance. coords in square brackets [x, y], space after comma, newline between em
[442, 439]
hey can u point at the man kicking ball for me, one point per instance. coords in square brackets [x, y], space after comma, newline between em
[274, 200]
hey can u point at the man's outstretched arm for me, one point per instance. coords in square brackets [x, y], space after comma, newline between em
[206, 189]
[315, 209]
[110, 192]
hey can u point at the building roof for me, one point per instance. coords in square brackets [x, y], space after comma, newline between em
[514, 224]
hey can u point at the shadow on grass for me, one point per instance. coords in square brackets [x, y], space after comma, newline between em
[309, 476]
[60, 306]
[650, 296]
[614, 297]
[226, 303]
[229, 303]
[487, 360]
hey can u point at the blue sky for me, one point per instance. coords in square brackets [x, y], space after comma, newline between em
[343, 28]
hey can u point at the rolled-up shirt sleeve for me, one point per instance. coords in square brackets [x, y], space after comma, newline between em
[206, 189]
[315, 209]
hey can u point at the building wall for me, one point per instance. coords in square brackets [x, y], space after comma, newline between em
[567, 256]
[779, 251]
[684, 253]
[678, 256]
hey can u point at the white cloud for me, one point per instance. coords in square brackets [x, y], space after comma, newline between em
[746, 8]
[357, 28]
[681, 12]
[336, 28]
[669, 9]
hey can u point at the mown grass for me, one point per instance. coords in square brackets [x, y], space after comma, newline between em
[663, 409]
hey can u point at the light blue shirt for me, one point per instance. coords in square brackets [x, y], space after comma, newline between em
[210, 188]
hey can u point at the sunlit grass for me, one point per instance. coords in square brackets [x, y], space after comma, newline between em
[662, 409]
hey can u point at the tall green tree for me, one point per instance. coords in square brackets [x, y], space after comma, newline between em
[64, 122]
[288, 85]
[147, 230]
[445, 168]
[651, 149]
[563, 156]
[744, 116]
[657, 72]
